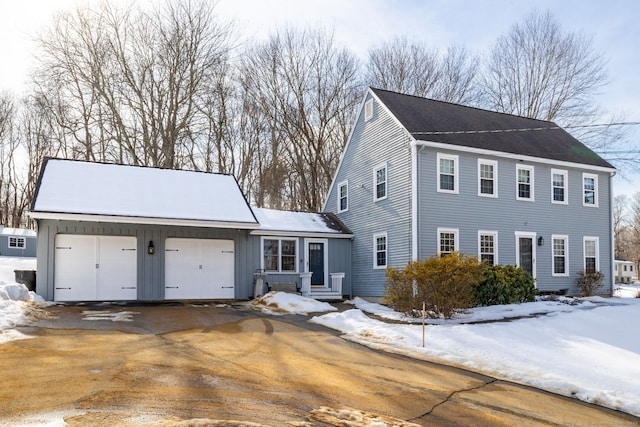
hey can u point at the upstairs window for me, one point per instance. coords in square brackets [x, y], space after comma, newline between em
[525, 187]
[447, 241]
[559, 186]
[560, 255]
[447, 173]
[590, 189]
[17, 242]
[487, 178]
[279, 255]
[380, 182]
[343, 196]
[380, 250]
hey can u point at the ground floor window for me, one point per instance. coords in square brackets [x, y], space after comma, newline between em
[279, 255]
[591, 258]
[380, 250]
[560, 245]
[17, 242]
[447, 240]
[487, 244]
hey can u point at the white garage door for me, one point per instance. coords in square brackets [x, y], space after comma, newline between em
[95, 268]
[199, 269]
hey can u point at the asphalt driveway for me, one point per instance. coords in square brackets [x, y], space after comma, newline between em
[204, 364]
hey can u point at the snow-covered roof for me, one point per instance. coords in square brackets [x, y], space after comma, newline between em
[70, 189]
[24, 232]
[299, 223]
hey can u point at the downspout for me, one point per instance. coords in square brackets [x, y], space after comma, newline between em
[414, 200]
[612, 234]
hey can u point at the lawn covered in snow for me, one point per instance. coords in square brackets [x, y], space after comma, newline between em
[587, 348]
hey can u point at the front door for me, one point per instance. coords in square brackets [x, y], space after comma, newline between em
[316, 252]
[526, 252]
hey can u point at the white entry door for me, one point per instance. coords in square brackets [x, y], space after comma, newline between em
[95, 268]
[199, 269]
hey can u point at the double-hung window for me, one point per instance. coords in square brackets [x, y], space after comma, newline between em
[279, 255]
[343, 196]
[447, 241]
[591, 254]
[590, 189]
[487, 178]
[525, 183]
[16, 242]
[447, 173]
[380, 182]
[559, 186]
[380, 250]
[487, 247]
[560, 256]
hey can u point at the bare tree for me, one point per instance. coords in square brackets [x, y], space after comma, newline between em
[305, 87]
[126, 84]
[538, 70]
[414, 68]
[620, 238]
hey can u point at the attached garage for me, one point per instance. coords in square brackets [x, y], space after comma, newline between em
[95, 268]
[199, 269]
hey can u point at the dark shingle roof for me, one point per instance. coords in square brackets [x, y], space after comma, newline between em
[421, 115]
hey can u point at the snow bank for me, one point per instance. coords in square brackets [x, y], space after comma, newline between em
[286, 303]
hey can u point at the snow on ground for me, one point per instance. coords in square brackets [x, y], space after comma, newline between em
[15, 299]
[589, 349]
[284, 303]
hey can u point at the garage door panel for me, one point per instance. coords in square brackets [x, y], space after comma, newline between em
[118, 272]
[95, 268]
[199, 269]
[75, 269]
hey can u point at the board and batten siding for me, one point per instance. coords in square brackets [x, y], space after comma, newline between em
[150, 268]
[468, 212]
[374, 142]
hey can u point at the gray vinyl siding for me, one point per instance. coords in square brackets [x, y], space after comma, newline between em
[468, 212]
[28, 251]
[150, 267]
[339, 253]
[378, 140]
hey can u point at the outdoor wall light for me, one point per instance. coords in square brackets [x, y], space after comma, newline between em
[540, 241]
[151, 249]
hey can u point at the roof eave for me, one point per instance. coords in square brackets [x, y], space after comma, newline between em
[61, 216]
[310, 234]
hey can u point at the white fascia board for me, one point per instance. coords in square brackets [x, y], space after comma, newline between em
[453, 147]
[142, 220]
[300, 234]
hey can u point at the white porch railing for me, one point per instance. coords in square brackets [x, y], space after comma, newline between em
[333, 291]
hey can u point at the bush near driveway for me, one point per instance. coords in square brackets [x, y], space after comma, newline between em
[504, 284]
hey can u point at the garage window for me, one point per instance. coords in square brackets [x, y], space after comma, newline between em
[279, 255]
[17, 242]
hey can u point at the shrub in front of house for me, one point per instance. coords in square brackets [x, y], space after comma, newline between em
[444, 283]
[588, 283]
[504, 284]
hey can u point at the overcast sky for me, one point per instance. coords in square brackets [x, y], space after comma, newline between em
[359, 24]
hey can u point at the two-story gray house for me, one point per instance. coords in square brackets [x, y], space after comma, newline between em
[420, 177]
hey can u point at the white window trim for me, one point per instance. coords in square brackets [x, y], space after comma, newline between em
[495, 245]
[21, 242]
[375, 251]
[584, 252]
[344, 183]
[566, 186]
[454, 157]
[456, 242]
[368, 110]
[375, 182]
[530, 168]
[595, 189]
[566, 255]
[495, 177]
[279, 239]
